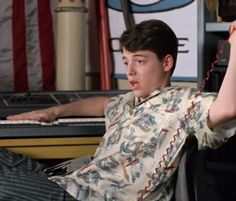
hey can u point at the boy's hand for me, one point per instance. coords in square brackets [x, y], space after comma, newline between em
[232, 33]
[45, 115]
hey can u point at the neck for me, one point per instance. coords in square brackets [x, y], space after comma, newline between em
[165, 84]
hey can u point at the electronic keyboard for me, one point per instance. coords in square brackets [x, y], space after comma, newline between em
[15, 103]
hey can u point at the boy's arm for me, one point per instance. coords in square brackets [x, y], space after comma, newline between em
[224, 107]
[84, 107]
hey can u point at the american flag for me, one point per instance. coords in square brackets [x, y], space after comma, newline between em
[27, 51]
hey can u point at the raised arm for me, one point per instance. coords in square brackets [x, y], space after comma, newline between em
[84, 107]
[224, 107]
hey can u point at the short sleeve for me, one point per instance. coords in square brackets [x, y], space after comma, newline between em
[198, 123]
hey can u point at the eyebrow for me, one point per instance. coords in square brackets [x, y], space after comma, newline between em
[136, 55]
[140, 55]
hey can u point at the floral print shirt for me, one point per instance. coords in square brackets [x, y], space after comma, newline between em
[142, 146]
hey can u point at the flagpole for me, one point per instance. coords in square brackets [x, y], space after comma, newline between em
[105, 55]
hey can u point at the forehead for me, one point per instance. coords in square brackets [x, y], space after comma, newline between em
[140, 53]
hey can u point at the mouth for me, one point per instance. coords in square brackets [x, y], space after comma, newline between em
[134, 85]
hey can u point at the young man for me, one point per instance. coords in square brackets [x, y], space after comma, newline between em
[147, 128]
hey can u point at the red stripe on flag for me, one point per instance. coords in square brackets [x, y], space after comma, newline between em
[19, 46]
[46, 44]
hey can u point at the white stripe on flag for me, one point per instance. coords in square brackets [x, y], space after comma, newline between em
[6, 55]
[34, 68]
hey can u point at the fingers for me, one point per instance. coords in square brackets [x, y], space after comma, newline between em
[21, 117]
[38, 115]
[26, 116]
[232, 27]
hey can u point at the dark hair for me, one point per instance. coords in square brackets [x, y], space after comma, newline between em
[153, 35]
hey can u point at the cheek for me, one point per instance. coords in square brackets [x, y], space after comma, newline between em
[148, 80]
[154, 79]
[151, 75]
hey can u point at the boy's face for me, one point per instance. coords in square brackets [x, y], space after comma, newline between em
[145, 72]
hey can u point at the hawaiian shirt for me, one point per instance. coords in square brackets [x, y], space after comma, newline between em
[142, 146]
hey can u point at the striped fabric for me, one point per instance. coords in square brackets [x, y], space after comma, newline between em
[27, 52]
[21, 179]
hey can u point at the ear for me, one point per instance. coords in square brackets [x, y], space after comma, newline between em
[168, 63]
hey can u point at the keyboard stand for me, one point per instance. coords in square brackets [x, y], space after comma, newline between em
[53, 148]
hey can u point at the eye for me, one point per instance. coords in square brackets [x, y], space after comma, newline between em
[140, 61]
[125, 63]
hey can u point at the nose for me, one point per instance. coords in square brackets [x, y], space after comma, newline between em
[130, 69]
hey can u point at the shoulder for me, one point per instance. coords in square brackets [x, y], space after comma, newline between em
[185, 96]
[126, 97]
[188, 92]
[177, 92]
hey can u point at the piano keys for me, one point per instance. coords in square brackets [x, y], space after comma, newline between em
[71, 127]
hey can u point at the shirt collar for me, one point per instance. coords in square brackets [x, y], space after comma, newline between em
[153, 94]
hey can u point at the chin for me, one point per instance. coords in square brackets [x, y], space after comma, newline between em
[140, 94]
